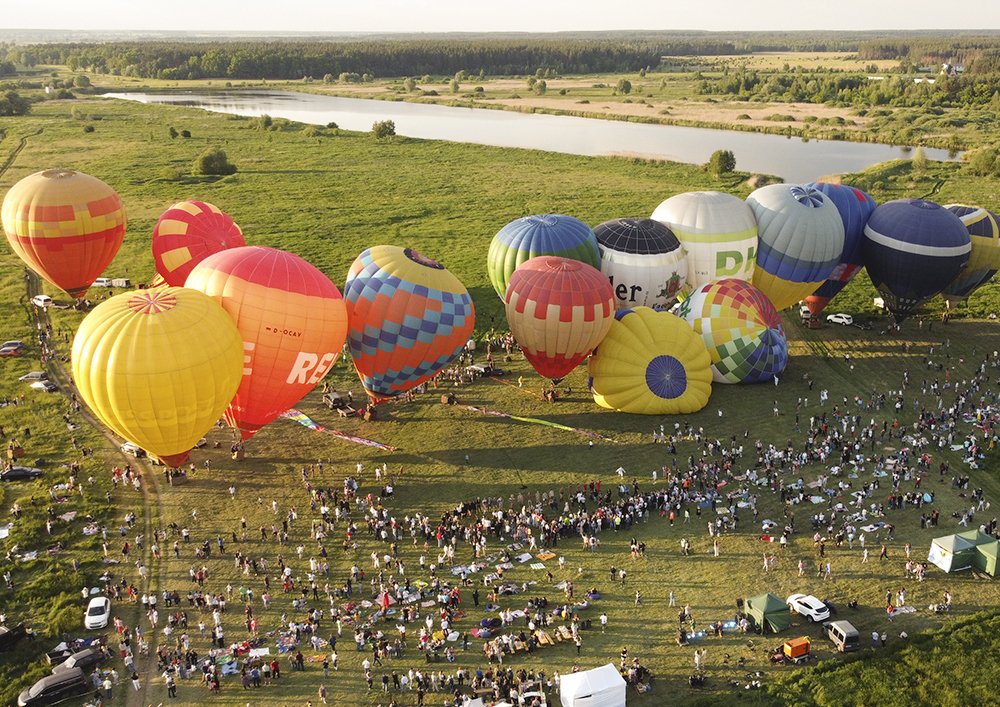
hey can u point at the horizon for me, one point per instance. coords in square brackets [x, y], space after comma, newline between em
[520, 16]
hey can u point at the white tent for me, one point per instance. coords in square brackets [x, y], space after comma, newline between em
[600, 687]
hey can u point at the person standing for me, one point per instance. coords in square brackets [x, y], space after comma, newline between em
[135, 681]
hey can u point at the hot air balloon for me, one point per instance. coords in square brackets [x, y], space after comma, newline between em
[855, 206]
[717, 230]
[408, 318]
[650, 363]
[187, 233]
[801, 241]
[984, 260]
[292, 320]
[158, 367]
[558, 310]
[741, 330]
[912, 249]
[643, 261]
[66, 226]
[531, 236]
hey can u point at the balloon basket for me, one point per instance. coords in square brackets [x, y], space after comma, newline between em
[15, 453]
[238, 455]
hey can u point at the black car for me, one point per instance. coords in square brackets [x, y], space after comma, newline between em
[81, 659]
[20, 473]
[10, 636]
[53, 689]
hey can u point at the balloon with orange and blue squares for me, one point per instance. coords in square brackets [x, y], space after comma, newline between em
[408, 318]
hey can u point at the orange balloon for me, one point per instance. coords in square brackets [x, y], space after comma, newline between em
[66, 226]
[293, 322]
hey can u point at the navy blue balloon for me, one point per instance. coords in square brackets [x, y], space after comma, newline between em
[855, 207]
[913, 248]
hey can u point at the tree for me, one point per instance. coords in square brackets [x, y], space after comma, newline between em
[919, 160]
[455, 86]
[383, 128]
[721, 162]
[81, 81]
[11, 103]
[624, 86]
[214, 161]
[540, 87]
[984, 162]
[410, 84]
[328, 78]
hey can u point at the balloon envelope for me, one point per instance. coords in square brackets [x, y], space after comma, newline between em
[158, 367]
[801, 241]
[408, 318]
[66, 226]
[855, 207]
[291, 318]
[643, 261]
[984, 260]
[558, 311]
[913, 248]
[741, 330]
[718, 232]
[650, 363]
[531, 236]
[187, 233]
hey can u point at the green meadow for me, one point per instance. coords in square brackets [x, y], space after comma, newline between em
[326, 197]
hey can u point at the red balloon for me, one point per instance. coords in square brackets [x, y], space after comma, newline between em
[293, 322]
[559, 310]
[187, 233]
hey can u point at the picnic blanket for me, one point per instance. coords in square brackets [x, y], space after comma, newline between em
[523, 557]
[537, 566]
[543, 556]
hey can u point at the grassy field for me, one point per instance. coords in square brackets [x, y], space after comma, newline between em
[326, 198]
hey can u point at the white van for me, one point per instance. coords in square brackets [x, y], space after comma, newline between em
[102, 282]
[41, 301]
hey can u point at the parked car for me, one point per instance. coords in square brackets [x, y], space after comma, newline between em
[98, 613]
[34, 376]
[13, 342]
[9, 351]
[133, 450]
[201, 443]
[9, 636]
[41, 300]
[56, 688]
[20, 473]
[840, 318]
[804, 312]
[45, 386]
[844, 636]
[809, 606]
[81, 659]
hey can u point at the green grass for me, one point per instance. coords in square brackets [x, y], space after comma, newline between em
[326, 199]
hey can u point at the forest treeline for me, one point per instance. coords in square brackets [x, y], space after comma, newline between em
[494, 56]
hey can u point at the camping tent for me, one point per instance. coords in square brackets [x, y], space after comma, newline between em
[976, 537]
[986, 557]
[952, 553]
[600, 687]
[767, 612]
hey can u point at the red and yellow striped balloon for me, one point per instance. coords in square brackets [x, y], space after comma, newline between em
[292, 320]
[187, 233]
[558, 310]
[65, 225]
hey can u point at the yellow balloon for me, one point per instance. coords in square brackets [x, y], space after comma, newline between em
[651, 363]
[158, 367]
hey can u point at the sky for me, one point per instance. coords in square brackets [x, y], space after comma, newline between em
[496, 15]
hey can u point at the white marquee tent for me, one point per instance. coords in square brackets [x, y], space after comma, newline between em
[600, 687]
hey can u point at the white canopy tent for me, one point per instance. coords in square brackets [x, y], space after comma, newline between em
[600, 687]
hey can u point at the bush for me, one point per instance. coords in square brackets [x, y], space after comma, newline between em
[172, 131]
[383, 129]
[213, 161]
[743, 116]
[721, 162]
[332, 126]
[312, 131]
[185, 133]
[88, 128]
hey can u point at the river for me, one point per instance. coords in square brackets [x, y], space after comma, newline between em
[794, 159]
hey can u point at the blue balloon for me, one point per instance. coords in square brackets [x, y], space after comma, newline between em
[913, 248]
[855, 207]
